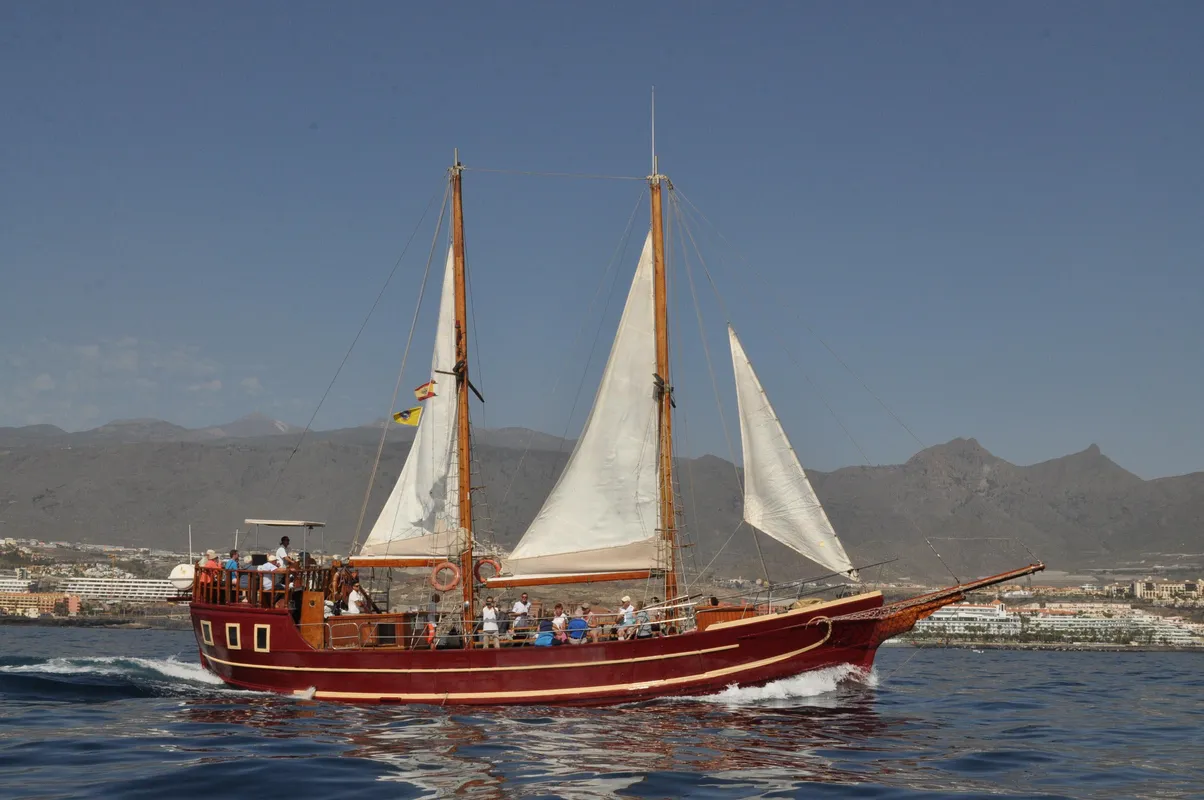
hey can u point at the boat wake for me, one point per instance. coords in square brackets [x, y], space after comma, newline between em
[102, 679]
[809, 686]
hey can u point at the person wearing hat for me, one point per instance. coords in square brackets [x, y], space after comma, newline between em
[271, 565]
[627, 618]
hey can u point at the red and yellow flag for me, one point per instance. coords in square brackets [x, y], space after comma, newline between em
[425, 390]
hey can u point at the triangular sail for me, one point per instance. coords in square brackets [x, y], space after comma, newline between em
[778, 498]
[602, 514]
[421, 516]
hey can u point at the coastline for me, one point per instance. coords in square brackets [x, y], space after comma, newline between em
[1098, 647]
[128, 623]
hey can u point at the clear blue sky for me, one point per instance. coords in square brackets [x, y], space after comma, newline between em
[994, 213]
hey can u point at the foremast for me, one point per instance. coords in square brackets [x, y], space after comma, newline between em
[463, 443]
[667, 522]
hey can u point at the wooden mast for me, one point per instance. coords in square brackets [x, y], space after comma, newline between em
[660, 298]
[464, 451]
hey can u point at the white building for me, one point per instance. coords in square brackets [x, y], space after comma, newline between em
[130, 590]
[962, 619]
[11, 584]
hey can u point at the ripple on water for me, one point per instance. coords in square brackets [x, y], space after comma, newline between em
[122, 714]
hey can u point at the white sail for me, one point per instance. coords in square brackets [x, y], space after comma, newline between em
[778, 498]
[602, 514]
[421, 516]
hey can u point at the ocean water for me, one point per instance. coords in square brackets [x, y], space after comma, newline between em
[130, 714]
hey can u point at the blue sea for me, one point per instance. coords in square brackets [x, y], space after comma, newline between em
[130, 714]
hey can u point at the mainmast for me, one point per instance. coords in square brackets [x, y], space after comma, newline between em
[464, 451]
[664, 388]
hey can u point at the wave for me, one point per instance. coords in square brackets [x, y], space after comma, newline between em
[104, 678]
[805, 686]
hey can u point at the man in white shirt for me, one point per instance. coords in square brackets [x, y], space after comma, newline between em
[282, 553]
[489, 628]
[355, 599]
[521, 611]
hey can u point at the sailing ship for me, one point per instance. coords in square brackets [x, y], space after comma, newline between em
[611, 516]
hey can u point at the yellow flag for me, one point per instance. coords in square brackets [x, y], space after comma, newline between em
[408, 417]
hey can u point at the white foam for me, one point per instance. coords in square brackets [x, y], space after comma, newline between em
[113, 665]
[808, 684]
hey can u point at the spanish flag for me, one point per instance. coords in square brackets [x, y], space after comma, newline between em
[408, 417]
[425, 390]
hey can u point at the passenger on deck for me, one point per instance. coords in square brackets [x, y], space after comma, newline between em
[432, 610]
[231, 568]
[282, 554]
[521, 612]
[560, 634]
[643, 625]
[268, 566]
[489, 626]
[626, 618]
[578, 627]
[356, 599]
[591, 622]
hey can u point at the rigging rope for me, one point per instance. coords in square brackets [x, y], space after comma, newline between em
[384, 431]
[358, 334]
[836, 356]
[789, 354]
[731, 450]
[620, 250]
[811, 330]
[556, 174]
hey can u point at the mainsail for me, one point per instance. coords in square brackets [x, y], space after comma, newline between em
[602, 514]
[778, 498]
[421, 517]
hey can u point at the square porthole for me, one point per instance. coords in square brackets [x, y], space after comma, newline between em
[263, 638]
[207, 632]
[232, 636]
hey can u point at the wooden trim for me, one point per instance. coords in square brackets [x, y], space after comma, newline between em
[267, 648]
[731, 623]
[555, 580]
[452, 697]
[207, 632]
[518, 668]
[236, 643]
[388, 561]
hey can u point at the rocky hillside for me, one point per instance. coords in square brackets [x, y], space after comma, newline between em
[144, 481]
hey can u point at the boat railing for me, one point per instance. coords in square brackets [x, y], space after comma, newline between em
[253, 587]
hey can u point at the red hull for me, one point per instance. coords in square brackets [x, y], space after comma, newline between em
[747, 652]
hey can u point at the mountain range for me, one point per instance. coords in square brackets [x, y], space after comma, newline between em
[144, 481]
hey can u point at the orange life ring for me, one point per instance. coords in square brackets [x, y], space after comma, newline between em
[449, 585]
[493, 562]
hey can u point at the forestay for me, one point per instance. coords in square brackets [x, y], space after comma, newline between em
[421, 516]
[778, 498]
[602, 514]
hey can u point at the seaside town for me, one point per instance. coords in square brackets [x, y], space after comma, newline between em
[50, 580]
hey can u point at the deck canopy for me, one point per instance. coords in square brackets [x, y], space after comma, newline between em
[286, 523]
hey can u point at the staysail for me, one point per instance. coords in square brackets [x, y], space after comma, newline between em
[778, 498]
[602, 513]
[421, 517]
